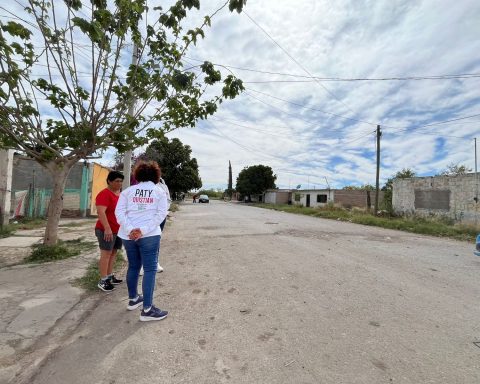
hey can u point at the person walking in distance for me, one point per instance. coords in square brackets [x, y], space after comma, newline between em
[106, 230]
[140, 210]
[163, 186]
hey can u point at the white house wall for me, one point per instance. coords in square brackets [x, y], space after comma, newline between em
[313, 197]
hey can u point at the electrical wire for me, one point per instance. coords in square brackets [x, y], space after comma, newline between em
[296, 62]
[347, 79]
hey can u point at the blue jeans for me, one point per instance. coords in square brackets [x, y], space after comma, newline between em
[162, 225]
[144, 252]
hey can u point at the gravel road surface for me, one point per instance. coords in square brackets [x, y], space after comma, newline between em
[258, 296]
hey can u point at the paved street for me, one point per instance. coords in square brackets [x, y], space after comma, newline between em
[258, 296]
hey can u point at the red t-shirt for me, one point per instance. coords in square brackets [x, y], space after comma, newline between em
[107, 198]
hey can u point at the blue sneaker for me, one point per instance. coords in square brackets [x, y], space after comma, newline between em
[134, 304]
[477, 246]
[153, 314]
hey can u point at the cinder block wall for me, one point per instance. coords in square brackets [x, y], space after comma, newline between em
[461, 205]
[355, 198]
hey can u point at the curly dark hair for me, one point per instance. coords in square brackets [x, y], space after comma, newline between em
[113, 175]
[147, 171]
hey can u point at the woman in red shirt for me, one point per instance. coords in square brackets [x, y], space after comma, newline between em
[106, 230]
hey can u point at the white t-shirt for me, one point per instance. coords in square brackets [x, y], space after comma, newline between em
[141, 206]
[164, 186]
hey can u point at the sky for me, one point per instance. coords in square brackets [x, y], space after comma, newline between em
[306, 113]
[318, 132]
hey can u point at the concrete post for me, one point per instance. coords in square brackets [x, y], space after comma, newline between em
[6, 170]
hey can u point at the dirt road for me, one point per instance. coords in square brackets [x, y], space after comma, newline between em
[257, 296]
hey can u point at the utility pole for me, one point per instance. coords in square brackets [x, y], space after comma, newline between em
[377, 181]
[230, 182]
[127, 157]
[476, 173]
[476, 184]
[328, 186]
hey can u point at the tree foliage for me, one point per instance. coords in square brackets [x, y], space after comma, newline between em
[68, 89]
[364, 187]
[179, 170]
[255, 179]
[455, 170]
[405, 173]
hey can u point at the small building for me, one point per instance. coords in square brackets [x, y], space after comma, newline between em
[346, 198]
[278, 196]
[454, 197]
[313, 197]
[31, 188]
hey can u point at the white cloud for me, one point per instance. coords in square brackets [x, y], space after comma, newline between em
[349, 39]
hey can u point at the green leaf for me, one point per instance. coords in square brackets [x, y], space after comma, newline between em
[16, 29]
[237, 5]
[74, 4]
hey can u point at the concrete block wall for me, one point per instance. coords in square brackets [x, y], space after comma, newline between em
[462, 188]
[356, 198]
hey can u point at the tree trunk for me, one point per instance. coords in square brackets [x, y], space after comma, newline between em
[59, 174]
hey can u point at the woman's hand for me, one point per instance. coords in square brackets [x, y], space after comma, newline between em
[108, 235]
[135, 234]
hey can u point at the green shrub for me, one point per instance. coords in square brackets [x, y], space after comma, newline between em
[62, 250]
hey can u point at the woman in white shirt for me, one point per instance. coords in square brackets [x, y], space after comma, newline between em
[140, 210]
[163, 185]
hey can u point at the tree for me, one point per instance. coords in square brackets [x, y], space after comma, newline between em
[365, 187]
[229, 190]
[255, 179]
[66, 93]
[179, 170]
[455, 170]
[405, 173]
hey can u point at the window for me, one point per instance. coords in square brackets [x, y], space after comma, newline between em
[297, 196]
[321, 198]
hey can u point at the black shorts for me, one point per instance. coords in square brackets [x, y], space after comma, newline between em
[108, 245]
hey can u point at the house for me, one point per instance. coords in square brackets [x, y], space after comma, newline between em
[342, 197]
[278, 196]
[312, 197]
[453, 197]
[30, 187]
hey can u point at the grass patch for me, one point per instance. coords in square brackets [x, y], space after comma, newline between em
[62, 250]
[174, 207]
[25, 223]
[434, 227]
[6, 231]
[91, 277]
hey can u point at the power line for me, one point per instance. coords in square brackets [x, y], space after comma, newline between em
[296, 62]
[346, 79]
[398, 129]
[314, 79]
[313, 109]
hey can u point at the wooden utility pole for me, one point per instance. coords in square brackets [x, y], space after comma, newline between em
[377, 181]
[127, 157]
[476, 185]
